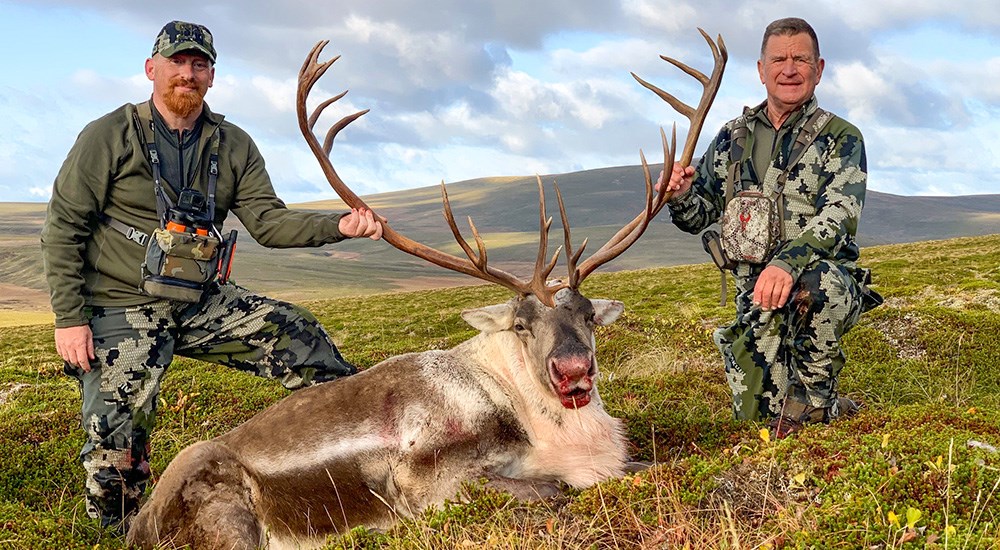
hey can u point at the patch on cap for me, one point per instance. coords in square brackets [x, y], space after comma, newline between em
[178, 36]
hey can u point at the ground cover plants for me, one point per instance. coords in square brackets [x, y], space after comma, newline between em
[917, 468]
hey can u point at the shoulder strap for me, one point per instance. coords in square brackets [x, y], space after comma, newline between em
[213, 172]
[739, 139]
[144, 123]
[810, 130]
[807, 135]
[143, 119]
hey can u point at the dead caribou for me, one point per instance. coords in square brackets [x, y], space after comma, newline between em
[516, 405]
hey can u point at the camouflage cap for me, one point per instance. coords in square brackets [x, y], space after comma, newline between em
[178, 36]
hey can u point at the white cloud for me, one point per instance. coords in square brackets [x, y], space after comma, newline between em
[459, 90]
[859, 88]
[662, 14]
[865, 14]
[280, 94]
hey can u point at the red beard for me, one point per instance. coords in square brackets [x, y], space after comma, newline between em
[184, 104]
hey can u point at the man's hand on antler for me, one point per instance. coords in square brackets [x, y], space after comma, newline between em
[680, 180]
[361, 222]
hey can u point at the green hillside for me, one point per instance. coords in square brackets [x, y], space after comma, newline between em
[917, 468]
[506, 212]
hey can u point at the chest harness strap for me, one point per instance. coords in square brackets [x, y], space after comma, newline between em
[143, 120]
[807, 135]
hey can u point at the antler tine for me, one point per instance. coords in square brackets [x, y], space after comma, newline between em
[710, 84]
[481, 263]
[669, 150]
[625, 236]
[310, 73]
[322, 106]
[340, 125]
[539, 278]
[631, 232]
[312, 70]
[480, 260]
[571, 258]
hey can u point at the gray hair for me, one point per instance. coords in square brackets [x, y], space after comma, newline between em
[787, 27]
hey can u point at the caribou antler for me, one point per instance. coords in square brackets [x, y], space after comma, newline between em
[631, 232]
[476, 263]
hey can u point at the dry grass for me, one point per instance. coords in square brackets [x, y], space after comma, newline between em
[10, 318]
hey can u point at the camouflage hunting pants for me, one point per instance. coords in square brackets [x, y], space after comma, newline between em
[134, 346]
[792, 353]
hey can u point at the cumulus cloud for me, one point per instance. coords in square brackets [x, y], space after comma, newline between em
[461, 89]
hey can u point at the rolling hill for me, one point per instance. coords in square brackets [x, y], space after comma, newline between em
[506, 212]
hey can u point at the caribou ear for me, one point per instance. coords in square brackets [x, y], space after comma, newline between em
[606, 311]
[490, 318]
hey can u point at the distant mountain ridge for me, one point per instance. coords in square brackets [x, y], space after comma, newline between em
[616, 193]
[505, 210]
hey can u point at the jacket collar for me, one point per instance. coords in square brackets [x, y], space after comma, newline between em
[794, 120]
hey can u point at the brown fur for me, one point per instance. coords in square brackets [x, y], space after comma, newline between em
[400, 436]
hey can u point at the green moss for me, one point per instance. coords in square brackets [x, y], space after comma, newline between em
[926, 365]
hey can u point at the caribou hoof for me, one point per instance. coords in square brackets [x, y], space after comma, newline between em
[524, 489]
[636, 467]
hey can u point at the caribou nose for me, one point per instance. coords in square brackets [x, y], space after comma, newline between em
[572, 371]
[572, 379]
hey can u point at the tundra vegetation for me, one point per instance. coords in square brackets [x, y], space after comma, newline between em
[917, 468]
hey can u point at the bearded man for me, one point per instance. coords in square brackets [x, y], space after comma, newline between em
[135, 262]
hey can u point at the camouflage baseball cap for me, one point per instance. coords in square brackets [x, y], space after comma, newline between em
[178, 36]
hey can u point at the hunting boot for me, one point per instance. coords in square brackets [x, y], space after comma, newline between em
[795, 415]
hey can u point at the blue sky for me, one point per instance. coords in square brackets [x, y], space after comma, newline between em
[460, 90]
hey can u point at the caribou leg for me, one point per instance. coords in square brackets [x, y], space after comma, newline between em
[207, 498]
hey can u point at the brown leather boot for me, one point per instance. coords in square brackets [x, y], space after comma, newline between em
[794, 416]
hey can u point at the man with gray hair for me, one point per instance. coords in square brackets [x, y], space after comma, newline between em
[786, 181]
[138, 268]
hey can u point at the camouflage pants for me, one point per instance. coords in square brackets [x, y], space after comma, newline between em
[794, 352]
[135, 345]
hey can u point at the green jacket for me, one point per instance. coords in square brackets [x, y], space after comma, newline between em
[823, 196]
[89, 263]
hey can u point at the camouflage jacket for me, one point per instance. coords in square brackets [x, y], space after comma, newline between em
[823, 195]
[89, 263]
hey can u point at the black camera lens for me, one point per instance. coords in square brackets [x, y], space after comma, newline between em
[191, 200]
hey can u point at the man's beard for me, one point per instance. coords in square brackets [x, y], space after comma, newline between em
[183, 104]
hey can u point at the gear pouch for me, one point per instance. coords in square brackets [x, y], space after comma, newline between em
[179, 265]
[751, 228]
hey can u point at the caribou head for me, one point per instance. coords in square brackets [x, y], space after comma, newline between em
[558, 341]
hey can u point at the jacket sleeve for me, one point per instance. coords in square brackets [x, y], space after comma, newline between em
[702, 205]
[840, 198]
[266, 217]
[77, 196]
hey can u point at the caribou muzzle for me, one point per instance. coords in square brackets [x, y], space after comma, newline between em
[572, 378]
